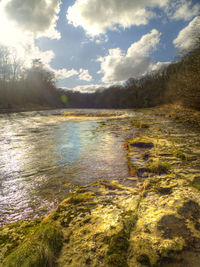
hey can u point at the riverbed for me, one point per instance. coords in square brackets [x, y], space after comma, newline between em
[45, 154]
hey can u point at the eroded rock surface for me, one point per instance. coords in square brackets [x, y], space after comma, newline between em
[151, 218]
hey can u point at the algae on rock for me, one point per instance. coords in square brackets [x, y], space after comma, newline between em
[151, 218]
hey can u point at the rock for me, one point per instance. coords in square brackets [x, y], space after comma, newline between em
[151, 218]
[142, 145]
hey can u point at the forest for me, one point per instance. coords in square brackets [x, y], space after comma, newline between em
[35, 87]
[177, 83]
[25, 88]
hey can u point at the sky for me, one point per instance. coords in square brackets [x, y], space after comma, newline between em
[95, 43]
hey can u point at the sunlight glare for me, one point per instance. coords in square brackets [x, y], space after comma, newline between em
[13, 36]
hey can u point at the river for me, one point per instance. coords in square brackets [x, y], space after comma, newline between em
[45, 154]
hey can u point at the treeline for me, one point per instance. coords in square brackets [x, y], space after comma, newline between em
[183, 81]
[25, 88]
[145, 92]
[35, 87]
[177, 83]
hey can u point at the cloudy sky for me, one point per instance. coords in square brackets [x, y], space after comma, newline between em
[92, 43]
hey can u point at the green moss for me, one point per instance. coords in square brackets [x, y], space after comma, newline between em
[75, 205]
[178, 153]
[118, 243]
[129, 219]
[110, 186]
[197, 186]
[139, 142]
[67, 217]
[55, 216]
[79, 198]
[116, 255]
[74, 198]
[38, 249]
[159, 167]
[174, 139]
[13, 234]
[139, 124]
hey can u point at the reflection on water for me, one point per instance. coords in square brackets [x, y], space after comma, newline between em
[44, 154]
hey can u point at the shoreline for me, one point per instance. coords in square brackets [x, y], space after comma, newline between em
[19, 110]
[149, 219]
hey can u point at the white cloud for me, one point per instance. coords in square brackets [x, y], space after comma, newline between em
[19, 32]
[38, 16]
[84, 75]
[23, 21]
[188, 37]
[183, 9]
[98, 16]
[159, 66]
[118, 66]
[64, 73]
[90, 88]
[25, 50]
[101, 39]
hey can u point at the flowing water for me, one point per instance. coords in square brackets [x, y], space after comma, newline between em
[43, 155]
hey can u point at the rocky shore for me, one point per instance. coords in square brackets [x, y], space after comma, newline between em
[151, 218]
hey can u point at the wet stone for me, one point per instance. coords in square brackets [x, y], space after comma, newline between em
[146, 156]
[144, 260]
[197, 226]
[190, 210]
[135, 221]
[196, 180]
[171, 226]
[164, 190]
[143, 145]
[143, 172]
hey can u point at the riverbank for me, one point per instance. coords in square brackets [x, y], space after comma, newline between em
[150, 218]
[23, 109]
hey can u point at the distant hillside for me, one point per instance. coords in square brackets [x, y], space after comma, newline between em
[179, 83]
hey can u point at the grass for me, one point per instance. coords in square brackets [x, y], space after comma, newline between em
[39, 249]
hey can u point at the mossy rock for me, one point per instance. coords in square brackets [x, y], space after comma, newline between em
[40, 248]
[118, 243]
[159, 167]
[140, 124]
[12, 235]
